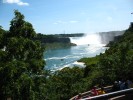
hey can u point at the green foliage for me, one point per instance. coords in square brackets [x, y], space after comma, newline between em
[70, 35]
[64, 83]
[90, 61]
[20, 28]
[2, 37]
[49, 46]
[116, 63]
[21, 61]
[51, 39]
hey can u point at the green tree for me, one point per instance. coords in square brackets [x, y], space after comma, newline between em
[64, 84]
[21, 60]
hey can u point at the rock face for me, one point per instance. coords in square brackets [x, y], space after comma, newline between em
[106, 37]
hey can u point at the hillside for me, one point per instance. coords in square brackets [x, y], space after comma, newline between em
[115, 64]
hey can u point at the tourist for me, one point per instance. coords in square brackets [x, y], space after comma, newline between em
[115, 87]
[130, 84]
[94, 91]
[101, 91]
[124, 85]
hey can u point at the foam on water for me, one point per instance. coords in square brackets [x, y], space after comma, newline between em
[88, 46]
[67, 57]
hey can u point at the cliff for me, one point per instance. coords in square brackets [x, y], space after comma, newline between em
[106, 37]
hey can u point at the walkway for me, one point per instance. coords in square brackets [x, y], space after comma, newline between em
[126, 94]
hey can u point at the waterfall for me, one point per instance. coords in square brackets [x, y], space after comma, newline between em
[92, 38]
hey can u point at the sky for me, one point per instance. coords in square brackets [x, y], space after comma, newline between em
[70, 16]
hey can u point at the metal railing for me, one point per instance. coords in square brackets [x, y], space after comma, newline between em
[118, 95]
[85, 94]
[128, 93]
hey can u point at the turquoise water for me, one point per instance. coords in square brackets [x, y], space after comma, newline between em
[59, 58]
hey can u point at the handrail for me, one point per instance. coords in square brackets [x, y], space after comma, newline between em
[107, 88]
[117, 94]
[110, 95]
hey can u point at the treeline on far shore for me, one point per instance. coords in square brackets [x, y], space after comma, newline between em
[56, 40]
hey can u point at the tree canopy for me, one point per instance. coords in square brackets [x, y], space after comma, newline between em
[21, 60]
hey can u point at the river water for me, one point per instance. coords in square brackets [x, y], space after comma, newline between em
[88, 46]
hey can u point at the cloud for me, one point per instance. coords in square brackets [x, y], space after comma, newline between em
[60, 22]
[73, 21]
[65, 22]
[18, 2]
[83, 13]
[55, 23]
[112, 7]
[109, 18]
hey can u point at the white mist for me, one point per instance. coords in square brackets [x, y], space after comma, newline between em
[92, 38]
